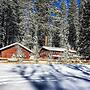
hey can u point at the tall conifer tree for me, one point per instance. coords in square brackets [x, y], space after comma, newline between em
[84, 43]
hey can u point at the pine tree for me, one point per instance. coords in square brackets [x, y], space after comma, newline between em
[42, 18]
[65, 25]
[84, 43]
[27, 24]
[2, 31]
[60, 25]
[74, 26]
[10, 21]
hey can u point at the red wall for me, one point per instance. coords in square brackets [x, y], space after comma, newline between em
[44, 53]
[7, 53]
[26, 53]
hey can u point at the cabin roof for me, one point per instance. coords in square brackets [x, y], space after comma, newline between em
[15, 44]
[72, 51]
[53, 48]
[57, 49]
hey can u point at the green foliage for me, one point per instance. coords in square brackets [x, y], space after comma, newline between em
[63, 7]
[73, 21]
[10, 21]
[84, 43]
[41, 24]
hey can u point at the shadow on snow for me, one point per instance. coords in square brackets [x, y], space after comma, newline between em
[46, 77]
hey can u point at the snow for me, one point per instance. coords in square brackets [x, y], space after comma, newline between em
[54, 48]
[15, 44]
[44, 77]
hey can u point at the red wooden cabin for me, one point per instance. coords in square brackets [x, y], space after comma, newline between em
[54, 51]
[15, 50]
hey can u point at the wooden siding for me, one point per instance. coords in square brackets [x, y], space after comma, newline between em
[9, 52]
[26, 53]
[45, 53]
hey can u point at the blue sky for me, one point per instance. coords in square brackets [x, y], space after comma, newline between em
[58, 3]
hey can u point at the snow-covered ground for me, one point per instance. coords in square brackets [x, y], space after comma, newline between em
[44, 77]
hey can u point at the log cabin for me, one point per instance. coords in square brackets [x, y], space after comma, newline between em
[15, 50]
[55, 52]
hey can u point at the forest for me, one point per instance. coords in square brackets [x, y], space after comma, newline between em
[55, 23]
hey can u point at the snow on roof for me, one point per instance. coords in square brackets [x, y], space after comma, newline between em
[57, 49]
[15, 44]
[53, 48]
[72, 51]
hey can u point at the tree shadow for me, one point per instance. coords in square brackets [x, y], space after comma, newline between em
[85, 70]
[45, 82]
[55, 69]
[54, 79]
[19, 69]
[78, 77]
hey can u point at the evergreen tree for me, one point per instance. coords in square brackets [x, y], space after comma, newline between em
[10, 21]
[74, 27]
[60, 24]
[2, 31]
[84, 43]
[42, 19]
[27, 24]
